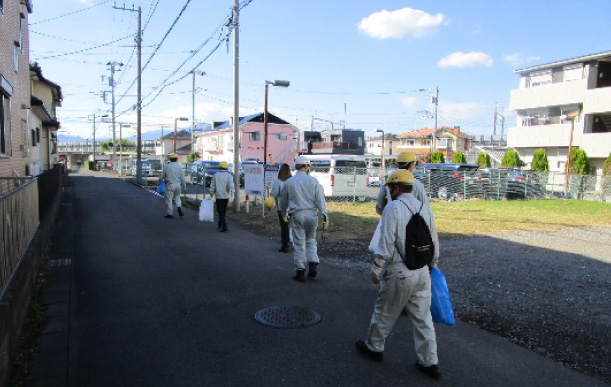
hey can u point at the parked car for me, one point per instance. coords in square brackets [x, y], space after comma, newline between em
[447, 180]
[155, 165]
[509, 183]
[201, 172]
[145, 168]
[340, 175]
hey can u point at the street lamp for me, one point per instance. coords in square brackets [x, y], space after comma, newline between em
[200, 73]
[381, 153]
[121, 125]
[267, 83]
[175, 127]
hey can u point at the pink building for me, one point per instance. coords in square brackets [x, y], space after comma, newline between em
[217, 143]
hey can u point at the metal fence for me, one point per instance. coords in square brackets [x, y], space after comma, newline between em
[18, 223]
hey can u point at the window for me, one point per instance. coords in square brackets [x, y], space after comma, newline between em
[16, 57]
[281, 137]
[33, 134]
[38, 135]
[410, 142]
[360, 141]
[445, 142]
[21, 23]
[1, 6]
[254, 136]
[5, 125]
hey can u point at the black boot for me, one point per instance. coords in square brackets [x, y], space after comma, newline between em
[180, 212]
[312, 269]
[299, 275]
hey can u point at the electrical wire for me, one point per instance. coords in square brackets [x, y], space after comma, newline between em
[60, 38]
[70, 13]
[151, 13]
[85, 49]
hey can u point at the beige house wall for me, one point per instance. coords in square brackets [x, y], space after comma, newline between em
[20, 81]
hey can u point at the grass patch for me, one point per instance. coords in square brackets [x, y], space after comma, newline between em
[356, 222]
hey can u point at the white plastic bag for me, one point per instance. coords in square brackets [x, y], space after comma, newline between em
[375, 240]
[206, 211]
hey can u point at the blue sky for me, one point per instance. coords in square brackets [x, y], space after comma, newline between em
[361, 62]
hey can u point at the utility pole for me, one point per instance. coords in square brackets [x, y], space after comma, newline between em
[236, 105]
[139, 102]
[114, 136]
[495, 113]
[435, 100]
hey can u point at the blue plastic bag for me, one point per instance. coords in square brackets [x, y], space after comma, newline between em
[161, 188]
[441, 306]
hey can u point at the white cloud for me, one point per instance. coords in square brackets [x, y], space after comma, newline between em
[466, 59]
[85, 2]
[401, 23]
[409, 101]
[518, 59]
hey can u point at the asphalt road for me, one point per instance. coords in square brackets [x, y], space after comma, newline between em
[171, 303]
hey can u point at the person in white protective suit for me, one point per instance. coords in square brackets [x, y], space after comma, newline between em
[300, 197]
[222, 188]
[174, 177]
[401, 287]
[405, 160]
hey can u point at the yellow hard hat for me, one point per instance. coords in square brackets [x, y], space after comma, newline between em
[401, 176]
[270, 202]
[406, 157]
[173, 156]
[223, 165]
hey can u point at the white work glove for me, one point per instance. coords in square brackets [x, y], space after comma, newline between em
[376, 271]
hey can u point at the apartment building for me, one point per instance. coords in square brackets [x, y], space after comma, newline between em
[374, 146]
[548, 98]
[14, 87]
[449, 141]
[217, 143]
[46, 96]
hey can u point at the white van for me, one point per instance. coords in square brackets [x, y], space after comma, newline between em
[340, 175]
[146, 168]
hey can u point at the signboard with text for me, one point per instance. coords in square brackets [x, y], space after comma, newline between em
[253, 179]
[271, 175]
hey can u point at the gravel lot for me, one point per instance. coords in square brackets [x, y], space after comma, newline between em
[547, 291]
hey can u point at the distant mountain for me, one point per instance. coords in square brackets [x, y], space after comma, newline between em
[146, 136]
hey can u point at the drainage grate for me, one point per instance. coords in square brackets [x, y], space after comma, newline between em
[287, 317]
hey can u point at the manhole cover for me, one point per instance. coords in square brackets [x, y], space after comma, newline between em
[287, 316]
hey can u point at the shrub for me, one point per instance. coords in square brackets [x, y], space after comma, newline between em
[483, 160]
[192, 156]
[437, 157]
[579, 162]
[426, 158]
[511, 159]
[607, 166]
[539, 162]
[459, 158]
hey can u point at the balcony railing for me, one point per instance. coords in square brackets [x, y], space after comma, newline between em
[334, 145]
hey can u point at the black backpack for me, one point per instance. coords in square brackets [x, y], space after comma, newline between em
[419, 247]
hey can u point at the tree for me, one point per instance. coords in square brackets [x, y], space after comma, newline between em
[106, 146]
[607, 166]
[511, 160]
[580, 163]
[459, 158]
[539, 162]
[437, 157]
[483, 160]
[192, 157]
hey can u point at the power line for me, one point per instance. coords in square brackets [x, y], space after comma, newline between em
[60, 38]
[71, 13]
[166, 34]
[151, 13]
[86, 49]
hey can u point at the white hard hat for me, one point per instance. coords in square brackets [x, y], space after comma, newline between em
[302, 160]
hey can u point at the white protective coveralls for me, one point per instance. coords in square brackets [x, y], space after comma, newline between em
[384, 196]
[221, 185]
[174, 177]
[400, 287]
[300, 197]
